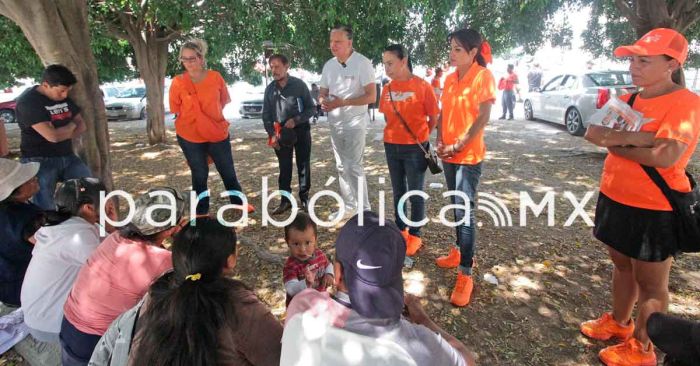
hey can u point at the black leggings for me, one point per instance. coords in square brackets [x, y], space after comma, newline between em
[678, 338]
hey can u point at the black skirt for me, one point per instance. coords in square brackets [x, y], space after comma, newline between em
[645, 235]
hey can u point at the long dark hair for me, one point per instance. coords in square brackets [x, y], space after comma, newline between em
[400, 52]
[189, 305]
[469, 39]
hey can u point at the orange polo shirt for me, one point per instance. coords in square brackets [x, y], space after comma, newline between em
[415, 101]
[436, 82]
[212, 95]
[674, 116]
[460, 108]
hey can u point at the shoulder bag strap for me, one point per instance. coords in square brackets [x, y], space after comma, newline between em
[652, 172]
[403, 121]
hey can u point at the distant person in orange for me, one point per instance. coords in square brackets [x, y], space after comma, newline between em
[469, 93]
[437, 82]
[198, 97]
[633, 218]
[410, 108]
[509, 85]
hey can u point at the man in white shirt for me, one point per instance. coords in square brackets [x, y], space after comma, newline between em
[347, 87]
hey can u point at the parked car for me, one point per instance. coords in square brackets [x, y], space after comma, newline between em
[7, 111]
[130, 103]
[571, 99]
[252, 105]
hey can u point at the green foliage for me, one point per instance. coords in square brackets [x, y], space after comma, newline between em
[18, 57]
[608, 29]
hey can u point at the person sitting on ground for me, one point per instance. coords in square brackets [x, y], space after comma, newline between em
[19, 220]
[306, 266]
[60, 251]
[119, 272]
[369, 296]
[195, 315]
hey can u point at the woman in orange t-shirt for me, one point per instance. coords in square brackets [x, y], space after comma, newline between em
[467, 97]
[198, 97]
[407, 99]
[633, 217]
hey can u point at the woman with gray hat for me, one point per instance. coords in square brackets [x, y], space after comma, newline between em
[119, 272]
[19, 220]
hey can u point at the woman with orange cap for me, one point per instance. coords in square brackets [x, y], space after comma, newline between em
[633, 217]
[467, 97]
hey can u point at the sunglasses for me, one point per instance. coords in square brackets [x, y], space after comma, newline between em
[189, 59]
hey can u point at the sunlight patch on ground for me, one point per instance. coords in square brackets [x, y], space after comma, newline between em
[415, 283]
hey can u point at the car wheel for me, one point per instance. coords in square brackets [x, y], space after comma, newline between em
[574, 122]
[7, 115]
[529, 114]
[142, 115]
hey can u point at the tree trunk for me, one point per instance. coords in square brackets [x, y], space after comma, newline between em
[152, 60]
[58, 32]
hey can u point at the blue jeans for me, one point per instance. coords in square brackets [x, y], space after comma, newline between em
[53, 170]
[464, 178]
[407, 167]
[196, 155]
[76, 346]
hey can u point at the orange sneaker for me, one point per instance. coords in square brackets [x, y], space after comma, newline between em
[250, 208]
[404, 234]
[449, 261]
[606, 327]
[629, 353]
[462, 292]
[413, 244]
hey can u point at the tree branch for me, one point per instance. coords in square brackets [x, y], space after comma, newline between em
[627, 12]
[687, 21]
[170, 37]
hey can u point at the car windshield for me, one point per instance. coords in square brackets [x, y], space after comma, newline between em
[611, 78]
[132, 93]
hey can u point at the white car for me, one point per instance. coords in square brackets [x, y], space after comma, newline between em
[571, 99]
[129, 103]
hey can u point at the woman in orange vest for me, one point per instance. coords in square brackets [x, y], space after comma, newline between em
[198, 97]
[467, 97]
[410, 108]
[633, 217]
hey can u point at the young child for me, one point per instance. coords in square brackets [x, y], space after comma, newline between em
[307, 266]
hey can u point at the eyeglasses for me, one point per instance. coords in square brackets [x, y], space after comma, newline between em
[188, 59]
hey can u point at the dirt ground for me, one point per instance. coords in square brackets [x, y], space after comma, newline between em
[550, 278]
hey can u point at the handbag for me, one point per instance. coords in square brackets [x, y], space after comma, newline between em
[207, 127]
[428, 152]
[685, 205]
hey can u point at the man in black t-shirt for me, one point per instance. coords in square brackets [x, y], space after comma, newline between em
[48, 121]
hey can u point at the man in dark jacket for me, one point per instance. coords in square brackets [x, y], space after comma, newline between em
[287, 109]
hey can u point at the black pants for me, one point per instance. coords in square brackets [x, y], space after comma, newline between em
[678, 338]
[303, 154]
[196, 155]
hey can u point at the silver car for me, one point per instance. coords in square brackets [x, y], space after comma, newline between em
[130, 103]
[571, 99]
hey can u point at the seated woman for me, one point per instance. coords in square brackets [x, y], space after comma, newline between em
[19, 220]
[195, 315]
[119, 272]
[60, 250]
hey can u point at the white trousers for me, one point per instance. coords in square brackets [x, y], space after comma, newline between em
[348, 148]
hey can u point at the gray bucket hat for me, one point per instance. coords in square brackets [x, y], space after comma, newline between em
[158, 204]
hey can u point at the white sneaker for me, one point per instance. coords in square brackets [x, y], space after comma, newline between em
[334, 216]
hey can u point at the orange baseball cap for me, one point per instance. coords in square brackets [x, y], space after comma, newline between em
[659, 41]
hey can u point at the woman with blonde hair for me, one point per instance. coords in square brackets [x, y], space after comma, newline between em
[198, 97]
